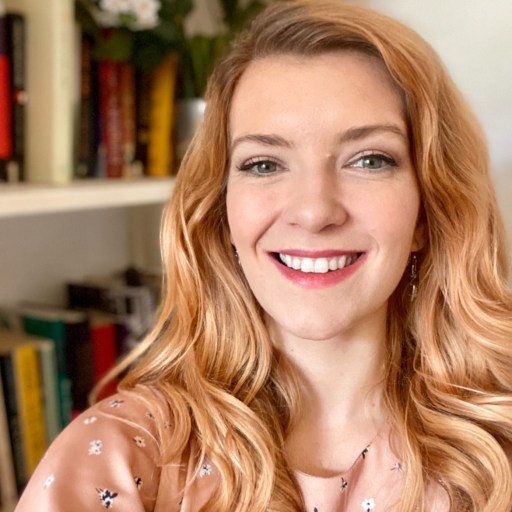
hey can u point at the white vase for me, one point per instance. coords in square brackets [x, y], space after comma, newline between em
[189, 114]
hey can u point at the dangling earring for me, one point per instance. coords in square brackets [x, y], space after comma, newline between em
[237, 257]
[414, 276]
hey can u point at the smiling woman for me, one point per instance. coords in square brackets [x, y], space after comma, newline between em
[336, 328]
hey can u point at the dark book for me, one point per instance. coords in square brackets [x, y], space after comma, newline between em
[142, 113]
[16, 47]
[88, 136]
[5, 101]
[11, 406]
[8, 486]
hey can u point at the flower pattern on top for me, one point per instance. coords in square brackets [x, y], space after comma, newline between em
[140, 441]
[368, 504]
[206, 470]
[116, 403]
[49, 481]
[95, 447]
[90, 420]
[107, 497]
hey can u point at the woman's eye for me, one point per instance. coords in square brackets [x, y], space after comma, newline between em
[260, 167]
[373, 162]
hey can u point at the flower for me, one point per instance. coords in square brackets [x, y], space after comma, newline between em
[368, 504]
[95, 447]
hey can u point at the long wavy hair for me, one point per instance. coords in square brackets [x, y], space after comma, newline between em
[448, 380]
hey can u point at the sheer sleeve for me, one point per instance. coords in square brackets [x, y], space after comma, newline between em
[107, 458]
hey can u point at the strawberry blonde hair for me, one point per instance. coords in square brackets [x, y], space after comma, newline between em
[449, 354]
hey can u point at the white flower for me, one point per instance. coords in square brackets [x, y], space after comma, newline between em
[90, 420]
[115, 6]
[139, 441]
[145, 12]
[116, 403]
[49, 481]
[368, 504]
[95, 447]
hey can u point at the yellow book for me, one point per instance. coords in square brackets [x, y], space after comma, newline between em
[161, 118]
[29, 400]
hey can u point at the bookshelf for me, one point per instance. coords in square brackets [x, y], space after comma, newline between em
[35, 199]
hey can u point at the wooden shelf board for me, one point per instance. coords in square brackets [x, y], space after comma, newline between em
[33, 199]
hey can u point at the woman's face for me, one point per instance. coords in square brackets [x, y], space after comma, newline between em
[322, 198]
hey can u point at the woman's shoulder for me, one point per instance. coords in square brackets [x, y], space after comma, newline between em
[110, 454]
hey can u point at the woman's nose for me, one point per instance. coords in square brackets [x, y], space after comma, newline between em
[315, 201]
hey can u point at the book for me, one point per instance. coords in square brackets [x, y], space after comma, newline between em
[104, 348]
[19, 362]
[142, 109]
[50, 74]
[5, 99]
[47, 360]
[127, 106]
[71, 333]
[16, 47]
[11, 406]
[160, 157]
[88, 126]
[110, 116]
[8, 488]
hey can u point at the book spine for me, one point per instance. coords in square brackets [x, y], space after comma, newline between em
[50, 72]
[127, 101]
[16, 43]
[79, 361]
[11, 406]
[142, 108]
[30, 405]
[8, 489]
[54, 330]
[161, 118]
[50, 392]
[5, 86]
[88, 127]
[110, 114]
[104, 349]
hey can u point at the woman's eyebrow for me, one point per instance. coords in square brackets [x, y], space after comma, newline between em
[361, 132]
[265, 139]
[351, 134]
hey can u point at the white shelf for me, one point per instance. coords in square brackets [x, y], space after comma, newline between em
[23, 199]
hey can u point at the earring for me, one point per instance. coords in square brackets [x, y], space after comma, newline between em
[414, 276]
[237, 257]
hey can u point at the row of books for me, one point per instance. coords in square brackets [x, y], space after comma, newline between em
[50, 360]
[66, 115]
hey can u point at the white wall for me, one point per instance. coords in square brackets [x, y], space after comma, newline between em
[474, 39]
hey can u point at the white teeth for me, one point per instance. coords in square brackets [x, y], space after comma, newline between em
[307, 265]
[321, 266]
[317, 265]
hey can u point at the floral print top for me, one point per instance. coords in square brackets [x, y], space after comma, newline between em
[107, 458]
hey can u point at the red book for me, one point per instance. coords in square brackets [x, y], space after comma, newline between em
[104, 349]
[111, 118]
[5, 92]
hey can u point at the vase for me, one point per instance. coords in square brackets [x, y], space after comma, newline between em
[189, 114]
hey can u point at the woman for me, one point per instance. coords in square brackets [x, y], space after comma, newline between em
[335, 332]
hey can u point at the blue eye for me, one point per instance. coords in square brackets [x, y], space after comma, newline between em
[373, 162]
[261, 167]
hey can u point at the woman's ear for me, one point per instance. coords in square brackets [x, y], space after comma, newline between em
[420, 237]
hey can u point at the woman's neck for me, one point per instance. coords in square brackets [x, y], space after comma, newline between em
[341, 383]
